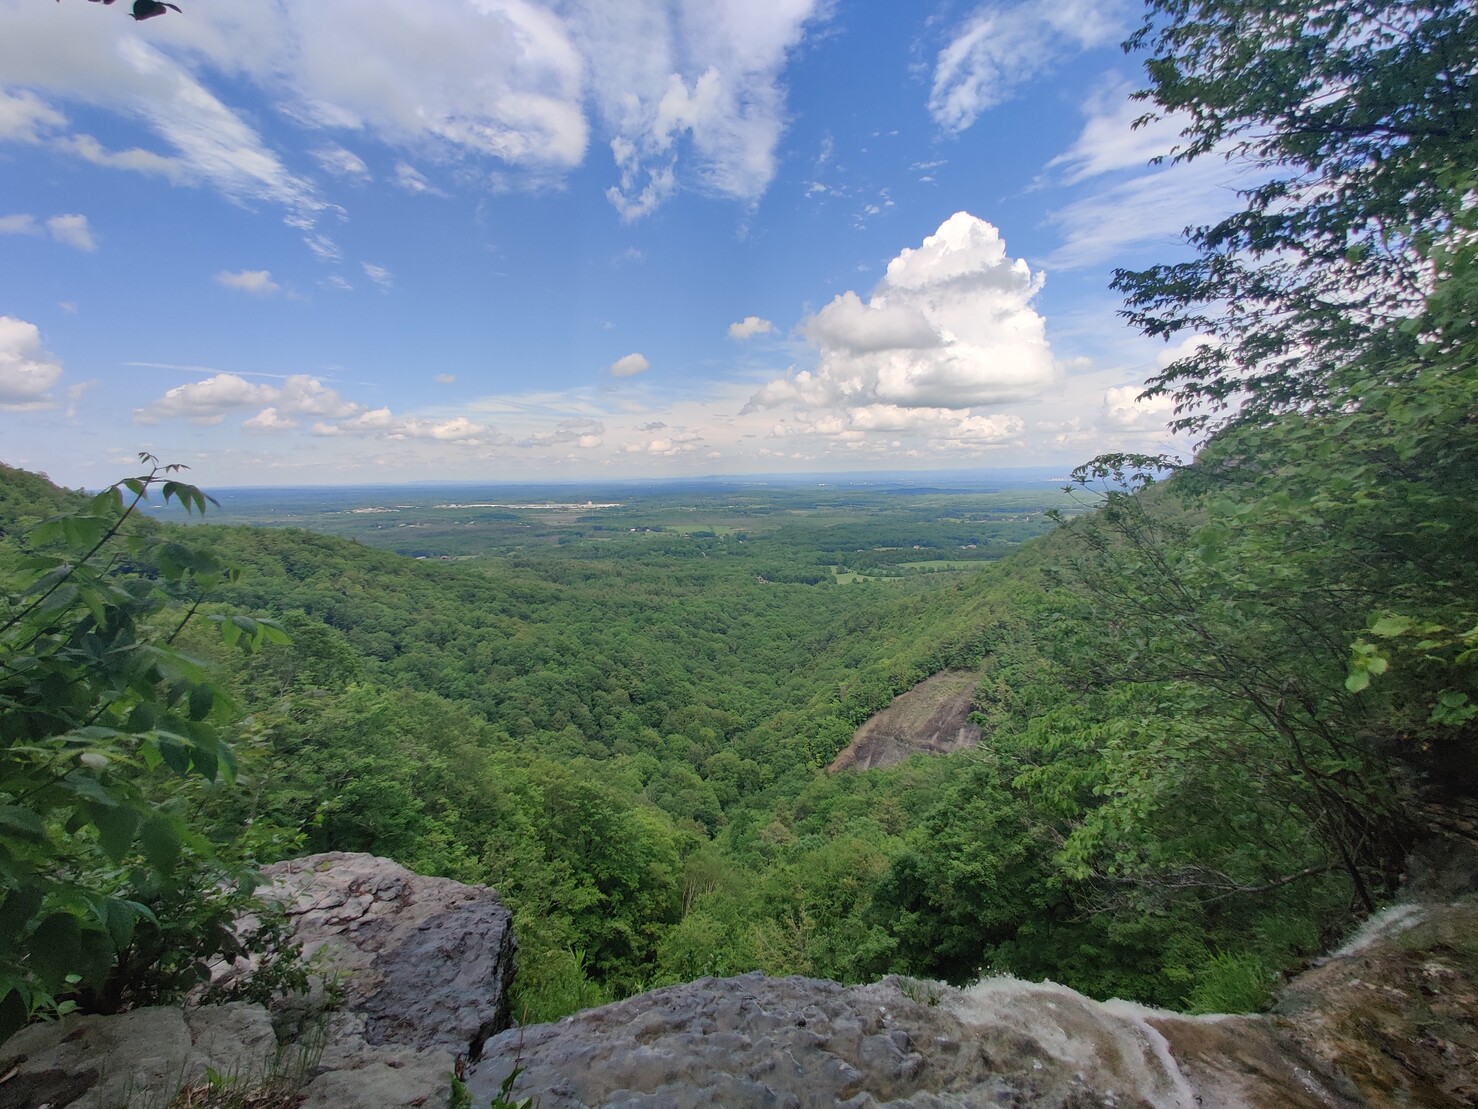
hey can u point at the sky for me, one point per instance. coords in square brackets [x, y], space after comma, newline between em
[291, 243]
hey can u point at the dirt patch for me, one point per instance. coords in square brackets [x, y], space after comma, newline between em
[933, 718]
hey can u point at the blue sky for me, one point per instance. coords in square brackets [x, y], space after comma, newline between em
[335, 242]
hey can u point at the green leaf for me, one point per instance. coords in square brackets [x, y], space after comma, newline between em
[1387, 627]
[116, 826]
[14, 1012]
[21, 822]
[55, 950]
[160, 839]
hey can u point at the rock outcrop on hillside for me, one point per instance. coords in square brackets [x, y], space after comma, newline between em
[931, 718]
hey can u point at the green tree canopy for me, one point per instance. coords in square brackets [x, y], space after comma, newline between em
[1359, 118]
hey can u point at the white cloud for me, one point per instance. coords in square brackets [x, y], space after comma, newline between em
[27, 372]
[1109, 140]
[445, 379]
[413, 180]
[628, 365]
[19, 225]
[750, 326]
[269, 419]
[584, 433]
[675, 85]
[949, 326]
[256, 282]
[135, 159]
[378, 274]
[305, 395]
[322, 247]
[1001, 47]
[1151, 209]
[72, 230]
[687, 94]
[505, 82]
[1124, 411]
[940, 427]
[459, 429]
[381, 423]
[208, 401]
[24, 117]
[341, 162]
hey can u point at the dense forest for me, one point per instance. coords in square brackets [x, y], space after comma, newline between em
[1220, 697]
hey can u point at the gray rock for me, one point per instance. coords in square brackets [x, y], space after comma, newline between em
[762, 1042]
[136, 1058]
[421, 965]
[426, 962]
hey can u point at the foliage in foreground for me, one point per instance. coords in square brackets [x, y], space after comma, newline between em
[110, 736]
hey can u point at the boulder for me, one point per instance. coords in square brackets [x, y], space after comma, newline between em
[1391, 1020]
[418, 971]
[425, 962]
[135, 1058]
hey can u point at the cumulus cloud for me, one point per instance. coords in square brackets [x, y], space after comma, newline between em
[667, 446]
[939, 426]
[951, 325]
[749, 327]
[445, 379]
[257, 282]
[72, 230]
[381, 423]
[210, 400]
[269, 419]
[583, 433]
[628, 365]
[19, 225]
[1123, 410]
[1000, 47]
[27, 372]
[206, 402]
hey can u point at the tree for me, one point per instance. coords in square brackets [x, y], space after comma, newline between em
[1359, 116]
[104, 725]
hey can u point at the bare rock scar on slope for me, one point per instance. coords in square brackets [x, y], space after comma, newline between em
[933, 718]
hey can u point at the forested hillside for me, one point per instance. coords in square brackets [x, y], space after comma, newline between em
[1218, 708]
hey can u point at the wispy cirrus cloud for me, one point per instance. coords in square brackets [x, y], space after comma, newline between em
[1000, 47]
